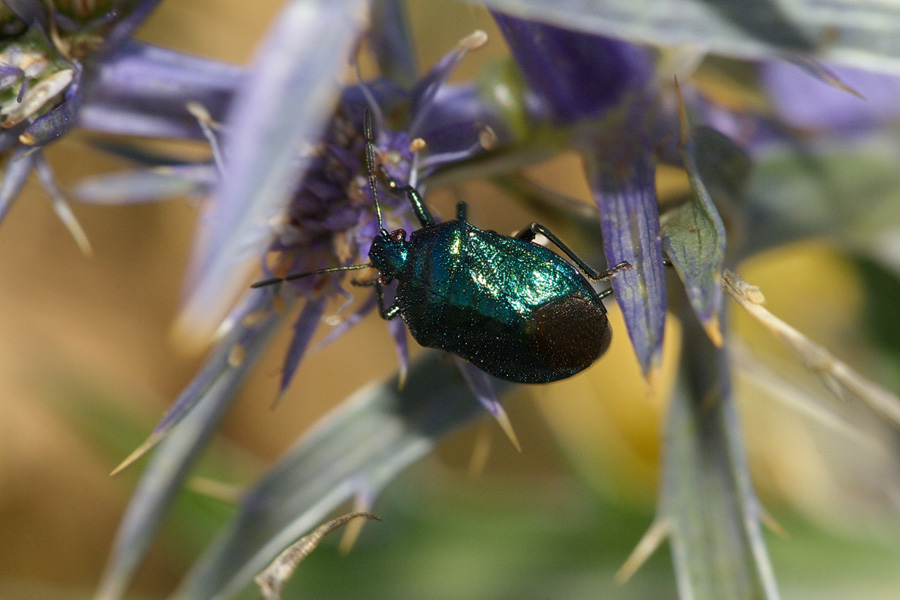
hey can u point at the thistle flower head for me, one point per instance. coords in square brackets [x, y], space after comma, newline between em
[49, 52]
[302, 209]
[43, 54]
[331, 220]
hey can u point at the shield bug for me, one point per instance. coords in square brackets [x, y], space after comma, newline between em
[509, 306]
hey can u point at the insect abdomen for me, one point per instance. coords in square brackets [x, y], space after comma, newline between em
[572, 333]
[554, 341]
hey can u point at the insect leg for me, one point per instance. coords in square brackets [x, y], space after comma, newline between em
[422, 214]
[461, 211]
[387, 312]
[415, 199]
[529, 233]
[370, 165]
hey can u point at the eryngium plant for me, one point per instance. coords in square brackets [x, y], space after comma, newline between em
[288, 186]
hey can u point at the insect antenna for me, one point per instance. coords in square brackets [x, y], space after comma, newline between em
[370, 168]
[292, 277]
[371, 102]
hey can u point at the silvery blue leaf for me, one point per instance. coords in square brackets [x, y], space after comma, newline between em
[844, 31]
[365, 442]
[284, 103]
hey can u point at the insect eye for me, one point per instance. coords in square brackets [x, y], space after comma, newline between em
[398, 235]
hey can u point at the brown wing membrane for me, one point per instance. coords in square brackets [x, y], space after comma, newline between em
[571, 333]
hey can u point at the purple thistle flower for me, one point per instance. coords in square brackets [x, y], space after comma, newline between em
[143, 90]
[47, 62]
[328, 221]
[604, 88]
[580, 75]
[289, 188]
[877, 98]
[330, 218]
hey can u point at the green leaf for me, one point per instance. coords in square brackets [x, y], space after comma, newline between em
[707, 500]
[693, 234]
[848, 189]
